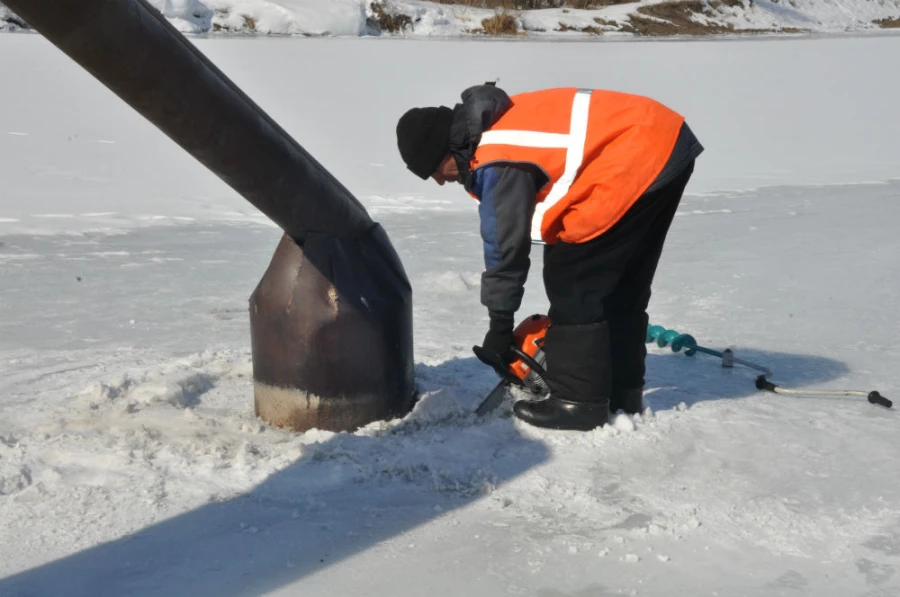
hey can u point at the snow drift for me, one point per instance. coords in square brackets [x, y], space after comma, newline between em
[418, 18]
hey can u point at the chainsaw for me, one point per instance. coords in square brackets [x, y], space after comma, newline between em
[527, 370]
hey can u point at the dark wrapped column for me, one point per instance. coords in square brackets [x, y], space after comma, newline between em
[328, 349]
[331, 320]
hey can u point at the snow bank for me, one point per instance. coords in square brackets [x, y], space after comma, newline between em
[9, 21]
[418, 18]
[827, 16]
[188, 16]
[289, 17]
[284, 17]
[672, 18]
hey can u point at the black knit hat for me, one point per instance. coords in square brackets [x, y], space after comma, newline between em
[423, 137]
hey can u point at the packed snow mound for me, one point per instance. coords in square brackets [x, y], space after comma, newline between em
[830, 16]
[9, 21]
[287, 17]
[284, 17]
[641, 18]
[187, 15]
[418, 18]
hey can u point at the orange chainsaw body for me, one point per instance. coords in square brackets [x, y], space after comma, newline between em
[529, 338]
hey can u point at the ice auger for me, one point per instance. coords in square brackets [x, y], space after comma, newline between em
[678, 342]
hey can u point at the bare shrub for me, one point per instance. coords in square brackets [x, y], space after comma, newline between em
[388, 20]
[502, 23]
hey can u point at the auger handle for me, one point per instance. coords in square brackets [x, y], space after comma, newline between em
[876, 398]
[873, 397]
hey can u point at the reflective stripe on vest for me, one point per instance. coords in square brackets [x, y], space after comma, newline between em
[573, 143]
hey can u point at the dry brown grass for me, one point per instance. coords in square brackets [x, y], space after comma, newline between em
[588, 29]
[535, 4]
[674, 18]
[589, 4]
[888, 23]
[500, 4]
[388, 20]
[502, 23]
[601, 3]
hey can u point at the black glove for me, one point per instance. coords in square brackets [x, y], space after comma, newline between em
[495, 350]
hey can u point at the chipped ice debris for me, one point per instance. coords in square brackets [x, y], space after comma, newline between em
[624, 423]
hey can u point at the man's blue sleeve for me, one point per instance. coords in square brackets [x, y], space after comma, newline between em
[507, 197]
[487, 182]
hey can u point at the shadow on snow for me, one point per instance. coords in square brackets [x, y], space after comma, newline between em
[355, 491]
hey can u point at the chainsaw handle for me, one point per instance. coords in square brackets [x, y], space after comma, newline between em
[494, 361]
[529, 360]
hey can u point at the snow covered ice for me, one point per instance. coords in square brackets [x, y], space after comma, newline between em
[130, 459]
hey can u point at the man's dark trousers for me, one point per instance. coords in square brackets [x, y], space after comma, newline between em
[607, 281]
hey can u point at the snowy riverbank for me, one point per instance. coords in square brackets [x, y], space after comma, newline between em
[417, 18]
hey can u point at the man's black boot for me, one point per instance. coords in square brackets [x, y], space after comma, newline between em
[578, 373]
[556, 413]
[631, 400]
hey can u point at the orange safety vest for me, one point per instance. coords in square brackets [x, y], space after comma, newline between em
[600, 149]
